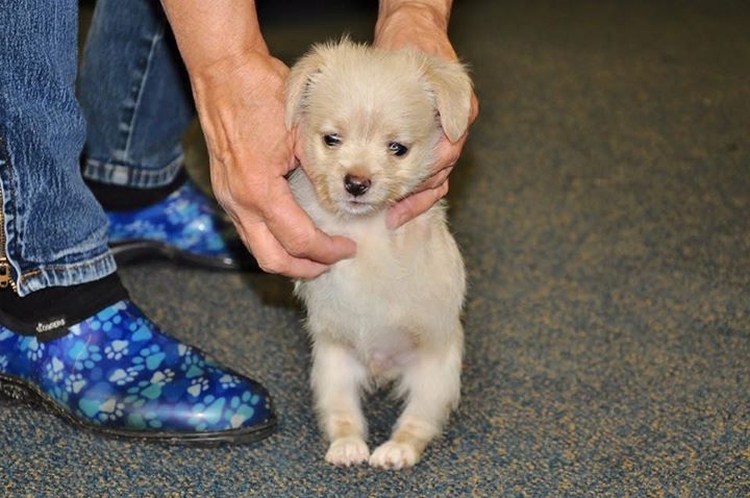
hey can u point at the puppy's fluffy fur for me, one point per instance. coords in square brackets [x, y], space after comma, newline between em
[370, 122]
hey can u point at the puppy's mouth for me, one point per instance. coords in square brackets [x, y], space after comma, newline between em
[357, 206]
[353, 202]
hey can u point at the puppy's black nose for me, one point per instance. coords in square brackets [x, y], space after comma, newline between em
[356, 185]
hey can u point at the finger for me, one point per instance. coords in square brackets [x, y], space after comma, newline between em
[414, 205]
[435, 180]
[448, 152]
[299, 236]
[299, 150]
[273, 258]
[474, 112]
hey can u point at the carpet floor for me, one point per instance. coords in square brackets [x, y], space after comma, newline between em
[603, 208]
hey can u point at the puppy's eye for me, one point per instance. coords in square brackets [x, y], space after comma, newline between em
[331, 139]
[397, 149]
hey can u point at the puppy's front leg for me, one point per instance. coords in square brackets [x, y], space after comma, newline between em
[337, 381]
[432, 385]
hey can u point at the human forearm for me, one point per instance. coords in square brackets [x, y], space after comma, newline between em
[214, 33]
[423, 25]
[435, 11]
[419, 23]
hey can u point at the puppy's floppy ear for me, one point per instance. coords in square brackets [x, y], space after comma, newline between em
[300, 78]
[451, 86]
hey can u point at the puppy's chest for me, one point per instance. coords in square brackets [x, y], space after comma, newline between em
[376, 278]
[368, 303]
[368, 299]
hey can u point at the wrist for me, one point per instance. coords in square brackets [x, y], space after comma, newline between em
[214, 37]
[422, 12]
[219, 70]
[422, 25]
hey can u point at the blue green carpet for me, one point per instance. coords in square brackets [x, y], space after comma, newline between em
[603, 208]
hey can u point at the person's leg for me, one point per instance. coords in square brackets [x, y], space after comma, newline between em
[41, 136]
[70, 338]
[136, 97]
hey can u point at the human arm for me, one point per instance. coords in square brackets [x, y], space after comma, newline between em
[422, 24]
[239, 93]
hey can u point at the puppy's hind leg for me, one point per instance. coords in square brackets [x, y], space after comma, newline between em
[338, 378]
[432, 387]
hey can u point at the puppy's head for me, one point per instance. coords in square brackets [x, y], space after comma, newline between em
[370, 120]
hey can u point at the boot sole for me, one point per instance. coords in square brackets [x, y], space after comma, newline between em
[18, 391]
[138, 250]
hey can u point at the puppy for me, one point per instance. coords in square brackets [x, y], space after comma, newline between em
[369, 123]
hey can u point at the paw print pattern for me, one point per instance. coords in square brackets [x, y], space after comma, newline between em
[33, 349]
[197, 386]
[106, 320]
[85, 356]
[162, 378]
[59, 393]
[146, 228]
[111, 410]
[151, 357]
[207, 412]
[228, 381]
[101, 411]
[74, 383]
[242, 408]
[146, 420]
[181, 212]
[186, 219]
[116, 350]
[55, 370]
[147, 390]
[117, 369]
[122, 377]
[193, 365]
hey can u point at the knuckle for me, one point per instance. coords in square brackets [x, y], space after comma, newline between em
[299, 243]
[272, 264]
[273, 267]
[443, 191]
[474, 109]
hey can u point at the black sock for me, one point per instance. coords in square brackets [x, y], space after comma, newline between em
[120, 198]
[49, 312]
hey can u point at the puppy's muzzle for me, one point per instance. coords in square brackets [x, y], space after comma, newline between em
[356, 185]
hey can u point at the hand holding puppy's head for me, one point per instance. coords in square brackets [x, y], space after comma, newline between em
[370, 119]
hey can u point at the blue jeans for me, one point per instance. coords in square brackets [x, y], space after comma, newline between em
[134, 107]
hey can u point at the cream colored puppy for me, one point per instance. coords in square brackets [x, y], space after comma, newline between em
[370, 120]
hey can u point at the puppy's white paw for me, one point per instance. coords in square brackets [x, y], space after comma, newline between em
[392, 455]
[347, 451]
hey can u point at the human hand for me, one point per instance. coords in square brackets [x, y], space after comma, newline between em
[239, 94]
[424, 27]
[241, 106]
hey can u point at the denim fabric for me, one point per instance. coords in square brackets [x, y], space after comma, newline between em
[135, 96]
[55, 231]
[137, 103]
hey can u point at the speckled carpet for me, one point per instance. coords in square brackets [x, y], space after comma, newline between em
[603, 208]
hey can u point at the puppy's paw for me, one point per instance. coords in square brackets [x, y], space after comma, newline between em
[393, 455]
[347, 451]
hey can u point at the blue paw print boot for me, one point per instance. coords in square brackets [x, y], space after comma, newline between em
[186, 226]
[115, 373]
